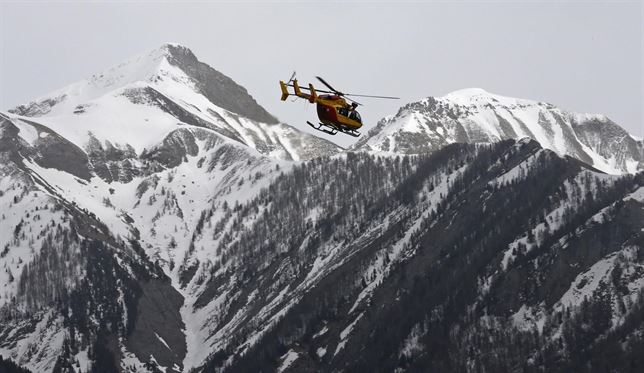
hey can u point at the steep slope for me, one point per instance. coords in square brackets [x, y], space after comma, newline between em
[385, 276]
[92, 268]
[138, 102]
[70, 286]
[474, 115]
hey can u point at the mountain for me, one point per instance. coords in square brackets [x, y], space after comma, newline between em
[134, 105]
[474, 115]
[83, 264]
[244, 245]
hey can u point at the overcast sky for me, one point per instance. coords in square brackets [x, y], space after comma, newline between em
[581, 56]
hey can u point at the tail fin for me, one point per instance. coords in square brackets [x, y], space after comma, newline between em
[296, 87]
[313, 95]
[285, 93]
[298, 92]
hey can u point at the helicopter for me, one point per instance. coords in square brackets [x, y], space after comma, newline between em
[334, 111]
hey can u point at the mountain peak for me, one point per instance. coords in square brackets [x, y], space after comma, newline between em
[469, 92]
[176, 50]
[170, 65]
[477, 96]
[166, 49]
[144, 67]
[169, 44]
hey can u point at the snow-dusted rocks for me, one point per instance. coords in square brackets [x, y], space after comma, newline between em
[474, 115]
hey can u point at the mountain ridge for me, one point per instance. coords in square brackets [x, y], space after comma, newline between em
[173, 79]
[475, 115]
[138, 102]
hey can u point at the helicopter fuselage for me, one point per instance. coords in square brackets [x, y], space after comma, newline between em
[334, 110]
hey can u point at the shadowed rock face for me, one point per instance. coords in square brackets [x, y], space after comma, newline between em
[217, 87]
[174, 149]
[56, 152]
[9, 140]
[50, 150]
[36, 109]
[610, 140]
[158, 328]
[112, 162]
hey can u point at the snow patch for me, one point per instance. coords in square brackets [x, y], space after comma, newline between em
[287, 359]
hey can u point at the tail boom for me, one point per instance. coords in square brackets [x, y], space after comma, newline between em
[311, 97]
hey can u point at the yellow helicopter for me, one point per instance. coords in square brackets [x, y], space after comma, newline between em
[335, 113]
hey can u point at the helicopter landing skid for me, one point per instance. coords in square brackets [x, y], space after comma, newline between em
[332, 130]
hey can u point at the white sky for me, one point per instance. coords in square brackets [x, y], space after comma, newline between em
[581, 56]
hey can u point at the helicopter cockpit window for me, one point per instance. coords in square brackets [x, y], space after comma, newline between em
[355, 116]
[343, 111]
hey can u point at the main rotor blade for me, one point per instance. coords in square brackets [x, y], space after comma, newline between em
[388, 97]
[347, 98]
[328, 85]
[308, 89]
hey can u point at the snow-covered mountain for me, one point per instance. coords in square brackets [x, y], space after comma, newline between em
[474, 115]
[134, 105]
[215, 239]
[80, 171]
